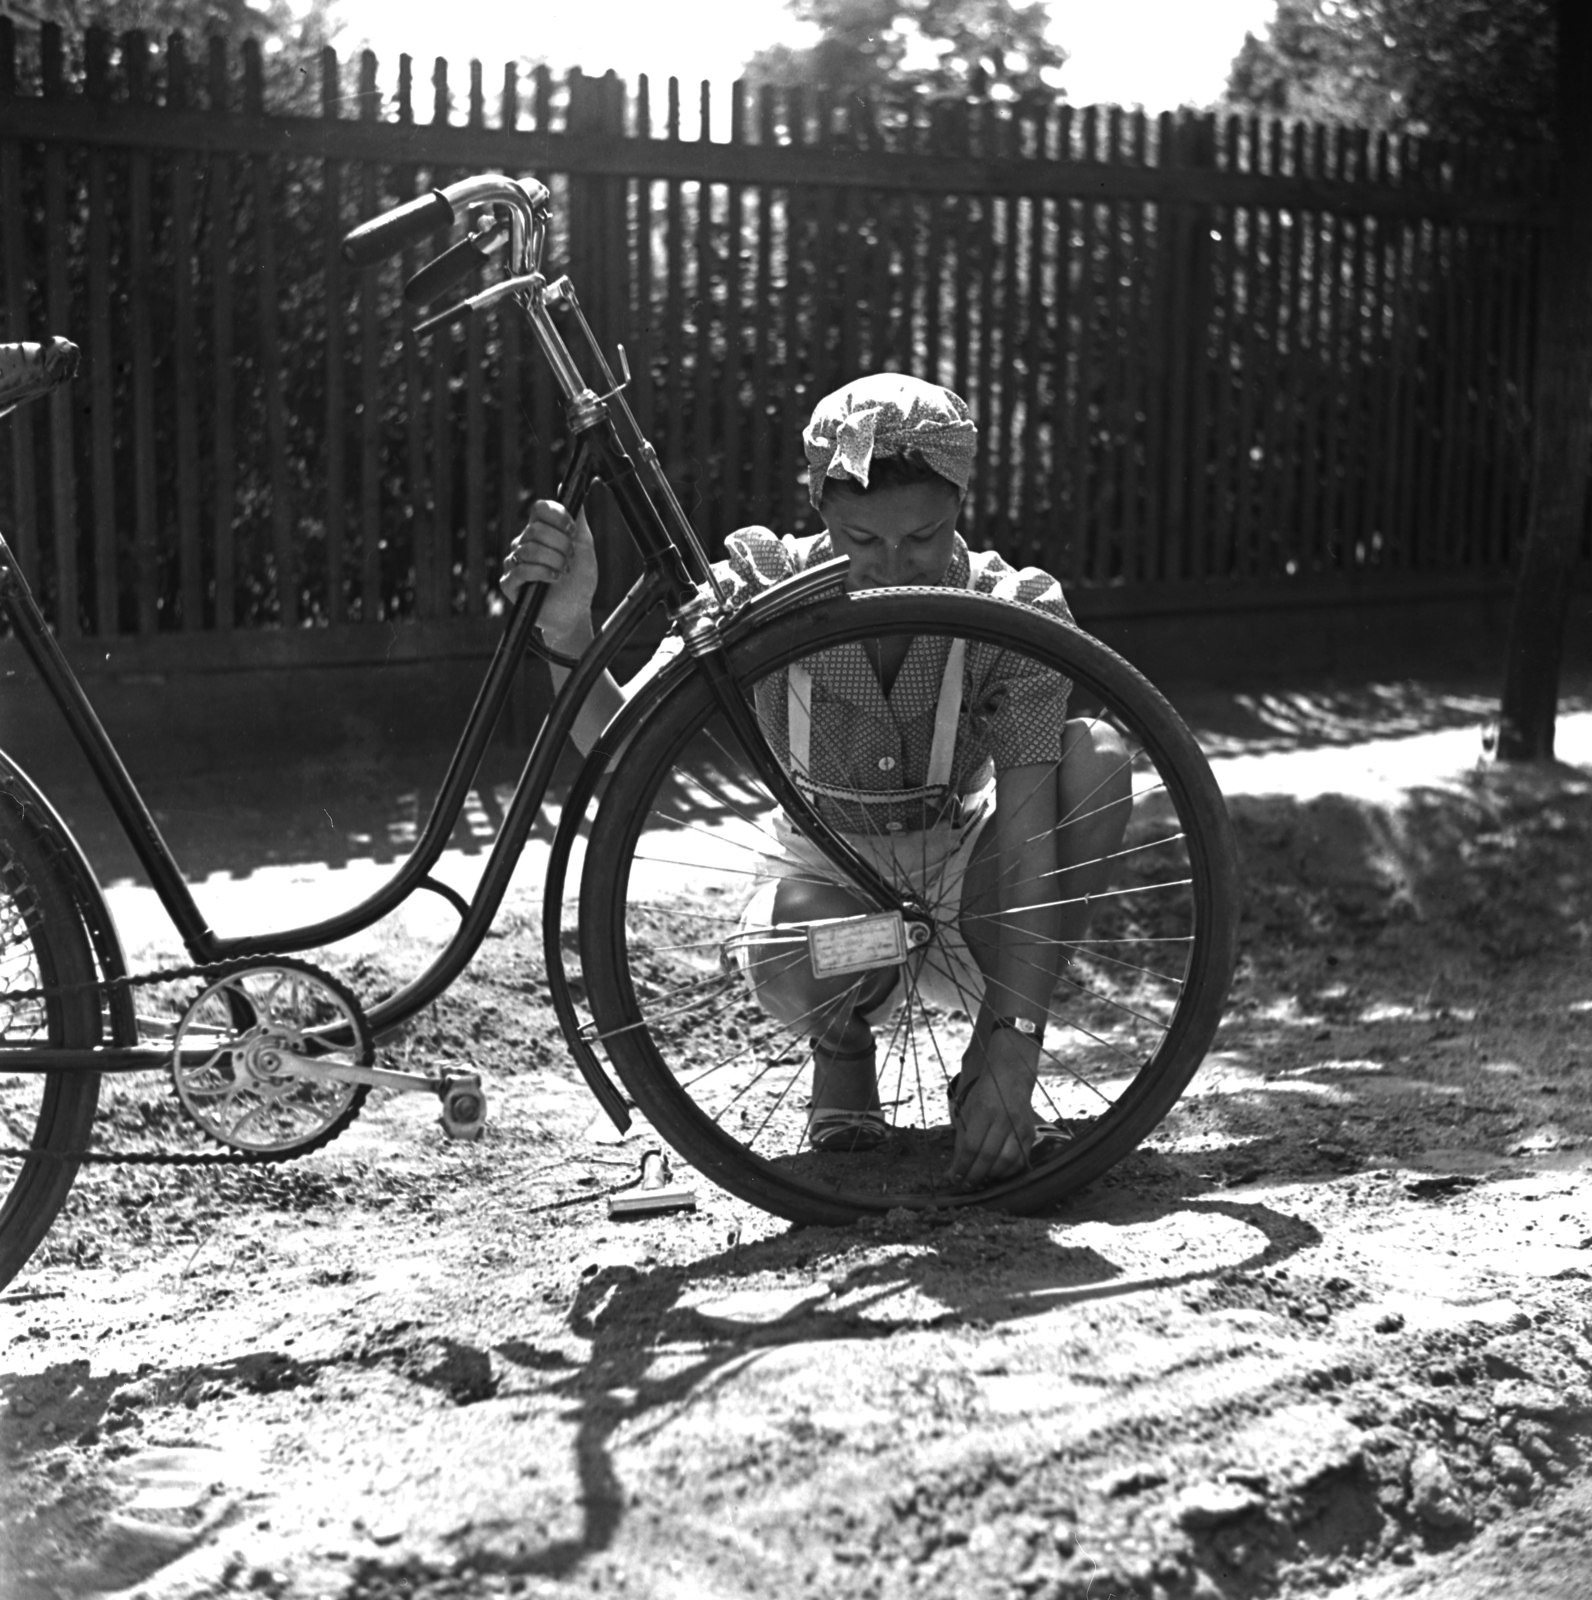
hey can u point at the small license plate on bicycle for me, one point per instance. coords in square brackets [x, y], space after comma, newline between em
[856, 944]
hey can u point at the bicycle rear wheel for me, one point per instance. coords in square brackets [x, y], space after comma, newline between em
[42, 945]
[684, 835]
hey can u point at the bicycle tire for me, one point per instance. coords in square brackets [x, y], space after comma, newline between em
[635, 970]
[42, 944]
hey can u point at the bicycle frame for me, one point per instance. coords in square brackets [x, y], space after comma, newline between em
[665, 540]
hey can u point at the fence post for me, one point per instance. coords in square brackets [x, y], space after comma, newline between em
[25, 505]
[1184, 287]
[58, 307]
[223, 402]
[284, 557]
[599, 257]
[190, 564]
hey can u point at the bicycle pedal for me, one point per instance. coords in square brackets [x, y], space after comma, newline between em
[463, 1106]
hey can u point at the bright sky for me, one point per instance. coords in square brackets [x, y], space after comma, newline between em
[1157, 53]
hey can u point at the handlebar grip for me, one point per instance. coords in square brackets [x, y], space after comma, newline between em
[440, 275]
[385, 235]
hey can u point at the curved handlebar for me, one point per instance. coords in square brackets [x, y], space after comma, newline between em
[385, 235]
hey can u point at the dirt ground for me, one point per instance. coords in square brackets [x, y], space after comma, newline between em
[1330, 1329]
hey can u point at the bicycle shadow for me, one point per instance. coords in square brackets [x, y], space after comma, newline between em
[633, 1316]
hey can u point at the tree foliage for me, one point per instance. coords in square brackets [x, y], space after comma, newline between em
[1459, 69]
[978, 47]
[290, 36]
[273, 22]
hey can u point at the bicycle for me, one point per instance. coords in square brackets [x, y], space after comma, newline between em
[274, 1056]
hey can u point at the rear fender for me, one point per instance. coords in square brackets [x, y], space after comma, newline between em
[21, 796]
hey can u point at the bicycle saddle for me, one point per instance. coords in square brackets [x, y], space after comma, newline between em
[29, 371]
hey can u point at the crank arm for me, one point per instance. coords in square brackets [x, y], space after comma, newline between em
[463, 1099]
[329, 1070]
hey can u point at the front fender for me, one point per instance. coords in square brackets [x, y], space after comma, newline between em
[805, 589]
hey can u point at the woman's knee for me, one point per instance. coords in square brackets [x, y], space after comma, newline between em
[778, 969]
[1095, 781]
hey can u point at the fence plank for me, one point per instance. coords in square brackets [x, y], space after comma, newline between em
[1330, 421]
[475, 419]
[674, 309]
[545, 463]
[96, 76]
[789, 511]
[1030, 544]
[185, 357]
[509, 331]
[1475, 306]
[1360, 357]
[1003, 446]
[934, 263]
[1062, 407]
[417, 520]
[433, 575]
[703, 503]
[336, 469]
[851, 207]
[733, 483]
[223, 396]
[1246, 343]
[1274, 375]
[984, 130]
[1093, 361]
[370, 325]
[1406, 398]
[13, 265]
[58, 309]
[763, 443]
[141, 290]
[1229, 383]
[643, 324]
[268, 312]
[821, 361]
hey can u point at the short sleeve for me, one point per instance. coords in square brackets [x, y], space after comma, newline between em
[1022, 708]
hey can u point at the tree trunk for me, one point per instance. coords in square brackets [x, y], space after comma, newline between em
[1561, 418]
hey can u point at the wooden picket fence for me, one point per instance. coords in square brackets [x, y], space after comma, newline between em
[1205, 354]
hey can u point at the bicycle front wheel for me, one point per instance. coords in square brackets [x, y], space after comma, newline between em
[712, 981]
[42, 946]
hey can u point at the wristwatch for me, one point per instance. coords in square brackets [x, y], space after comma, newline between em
[1023, 1025]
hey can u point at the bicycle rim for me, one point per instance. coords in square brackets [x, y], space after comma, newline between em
[682, 842]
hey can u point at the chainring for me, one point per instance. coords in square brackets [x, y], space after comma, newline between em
[242, 1053]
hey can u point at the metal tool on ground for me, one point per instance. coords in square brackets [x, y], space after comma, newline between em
[656, 1192]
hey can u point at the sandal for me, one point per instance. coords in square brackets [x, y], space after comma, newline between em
[835, 1131]
[845, 1132]
[1049, 1137]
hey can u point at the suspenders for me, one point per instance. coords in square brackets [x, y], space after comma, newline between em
[942, 752]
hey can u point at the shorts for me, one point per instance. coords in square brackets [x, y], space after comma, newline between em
[934, 862]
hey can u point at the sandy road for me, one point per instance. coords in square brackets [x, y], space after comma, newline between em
[1329, 1330]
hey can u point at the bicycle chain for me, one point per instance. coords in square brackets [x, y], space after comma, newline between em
[153, 1158]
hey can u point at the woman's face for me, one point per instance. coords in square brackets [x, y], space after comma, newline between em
[894, 537]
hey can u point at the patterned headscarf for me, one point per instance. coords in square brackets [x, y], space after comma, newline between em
[888, 414]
